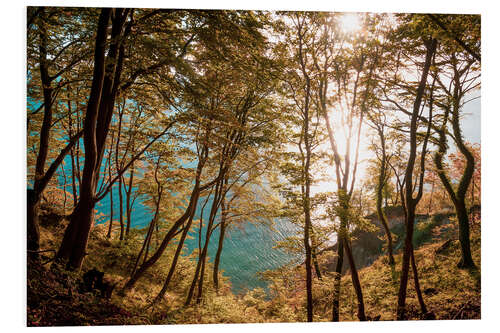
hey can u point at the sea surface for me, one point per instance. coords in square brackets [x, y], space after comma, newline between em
[248, 249]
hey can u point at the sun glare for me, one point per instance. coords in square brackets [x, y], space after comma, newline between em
[350, 22]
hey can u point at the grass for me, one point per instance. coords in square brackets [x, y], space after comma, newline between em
[54, 299]
[449, 292]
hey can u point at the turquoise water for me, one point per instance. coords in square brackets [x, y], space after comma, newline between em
[247, 249]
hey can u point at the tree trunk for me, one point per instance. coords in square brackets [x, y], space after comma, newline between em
[410, 201]
[460, 206]
[383, 220]
[423, 308]
[200, 268]
[72, 249]
[429, 209]
[173, 265]
[120, 199]
[110, 228]
[355, 281]
[72, 156]
[202, 278]
[168, 237]
[33, 230]
[313, 255]
[73, 179]
[380, 188]
[149, 234]
[221, 243]
[382, 181]
[405, 266]
[338, 276]
[33, 202]
[464, 236]
[64, 188]
[458, 196]
[75, 238]
[119, 166]
[128, 199]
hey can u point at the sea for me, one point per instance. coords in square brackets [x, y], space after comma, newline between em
[248, 249]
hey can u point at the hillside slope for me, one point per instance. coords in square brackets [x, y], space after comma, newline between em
[55, 298]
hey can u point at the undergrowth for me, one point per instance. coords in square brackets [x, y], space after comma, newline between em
[54, 298]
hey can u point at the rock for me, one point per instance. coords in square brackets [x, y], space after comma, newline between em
[430, 291]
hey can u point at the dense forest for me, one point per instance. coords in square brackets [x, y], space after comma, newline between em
[339, 137]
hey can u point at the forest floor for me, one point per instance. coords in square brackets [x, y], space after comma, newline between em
[448, 291]
[54, 297]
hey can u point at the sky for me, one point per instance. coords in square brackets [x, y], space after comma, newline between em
[471, 122]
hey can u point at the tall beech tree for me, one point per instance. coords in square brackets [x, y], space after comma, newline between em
[300, 38]
[463, 80]
[106, 78]
[458, 78]
[378, 121]
[346, 69]
[196, 84]
[53, 62]
[409, 200]
[107, 83]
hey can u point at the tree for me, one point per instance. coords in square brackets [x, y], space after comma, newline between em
[463, 80]
[349, 68]
[299, 89]
[410, 202]
[58, 60]
[106, 76]
[379, 123]
[201, 105]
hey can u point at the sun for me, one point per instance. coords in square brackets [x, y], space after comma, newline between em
[350, 22]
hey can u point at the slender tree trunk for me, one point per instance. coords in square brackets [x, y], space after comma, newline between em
[201, 279]
[200, 268]
[355, 281]
[460, 206]
[72, 155]
[78, 170]
[173, 265]
[338, 277]
[383, 220]
[405, 265]
[120, 199]
[221, 243]
[73, 179]
[128, 199]
[380, 188]
[194, 281]
[410, 201]
[315, 263]
[458, 196]
[119, 166]
[74, 243]
[111, 213]
[464, 236]
[388, 234]
[34, 197]
[423, 308]
[429, 209]
[64, 188]
[33, 231]
[170, 234]
[110, 228]
[314, 256]
[152, 224]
